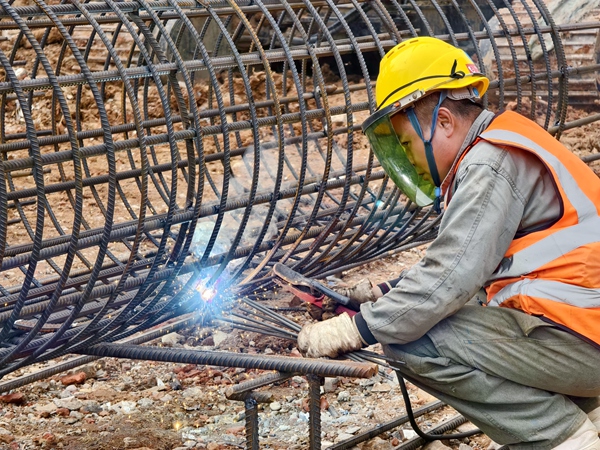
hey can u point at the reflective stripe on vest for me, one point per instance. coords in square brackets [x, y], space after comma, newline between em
[566, 293]
[554, 273]
[564, 240]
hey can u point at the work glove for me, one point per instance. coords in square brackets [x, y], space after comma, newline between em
[332, 337]
[358, 294]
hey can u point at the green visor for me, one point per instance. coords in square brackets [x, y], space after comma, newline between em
[394, 160]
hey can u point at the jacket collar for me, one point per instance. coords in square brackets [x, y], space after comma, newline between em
[479, 125]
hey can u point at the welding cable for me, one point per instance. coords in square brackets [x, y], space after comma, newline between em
[413, 422]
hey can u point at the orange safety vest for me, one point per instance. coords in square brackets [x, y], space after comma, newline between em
[553, 273]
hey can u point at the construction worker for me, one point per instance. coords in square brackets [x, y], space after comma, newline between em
[521, 220]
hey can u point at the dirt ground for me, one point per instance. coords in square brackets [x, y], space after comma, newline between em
[142, 405]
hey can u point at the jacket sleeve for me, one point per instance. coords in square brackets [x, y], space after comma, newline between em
[476, 230]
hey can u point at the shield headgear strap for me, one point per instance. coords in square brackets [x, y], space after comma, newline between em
[412, 116]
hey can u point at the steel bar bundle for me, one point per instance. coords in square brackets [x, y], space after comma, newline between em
[156, 154]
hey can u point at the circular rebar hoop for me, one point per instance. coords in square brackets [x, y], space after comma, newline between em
[156, 153]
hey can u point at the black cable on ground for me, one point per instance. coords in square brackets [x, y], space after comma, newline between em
[413, 423]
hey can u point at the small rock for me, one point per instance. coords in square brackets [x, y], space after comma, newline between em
[68, 392]
[298, 379]
[377, 444]
[166, 398]
[212, 446]
[352, 430]
[89, 370]
[219, 336]
[172, 339]
[145, 402]
[343, 437]
[17, 398]
[76, 378]
[76, 414]
[464, 447]
[395, 442]
[436, 445]
[6, 436]
[63, 412]
[409, 434]
[125, 407]
[466, 427]
[46, 410]
[330, 384]
[91, 407]
[275, 406]
[41, 386]
[381, 387]
[70, 403]
[343, 396]
[305, 405]
[324, 405]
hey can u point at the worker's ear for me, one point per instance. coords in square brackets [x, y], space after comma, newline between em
[446, 122]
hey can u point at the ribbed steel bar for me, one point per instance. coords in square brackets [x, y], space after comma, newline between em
[251, 429]
[314, 411]
[158, 157]
[318, 367]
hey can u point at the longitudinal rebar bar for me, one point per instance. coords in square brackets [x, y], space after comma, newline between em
[322, 368]
[156, 156]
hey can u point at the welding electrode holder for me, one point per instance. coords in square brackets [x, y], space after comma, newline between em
[309, 290]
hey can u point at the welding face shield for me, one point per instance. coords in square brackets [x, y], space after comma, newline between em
[393, 155]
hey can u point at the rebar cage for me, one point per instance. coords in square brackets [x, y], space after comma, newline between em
[155, 153]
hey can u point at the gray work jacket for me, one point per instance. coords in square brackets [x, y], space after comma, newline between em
[497, 195]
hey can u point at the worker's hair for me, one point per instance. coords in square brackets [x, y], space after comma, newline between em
[465, 109]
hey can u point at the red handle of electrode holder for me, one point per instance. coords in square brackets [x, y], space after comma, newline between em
[317, 301]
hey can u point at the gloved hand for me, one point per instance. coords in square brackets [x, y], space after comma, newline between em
[331, 337]
[360, 293]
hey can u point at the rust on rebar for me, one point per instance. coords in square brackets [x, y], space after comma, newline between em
[158, 157]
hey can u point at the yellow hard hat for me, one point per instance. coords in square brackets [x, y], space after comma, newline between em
[425, 64]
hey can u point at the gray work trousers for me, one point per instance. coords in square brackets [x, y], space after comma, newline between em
[522, 381]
